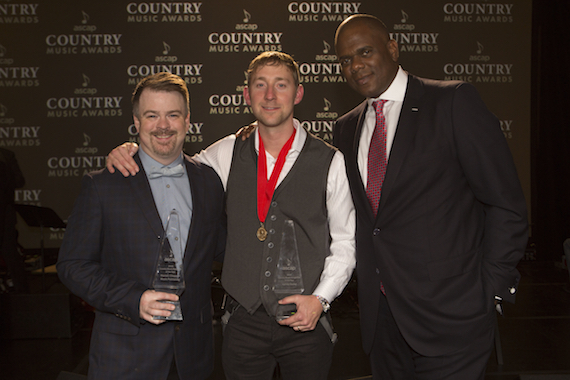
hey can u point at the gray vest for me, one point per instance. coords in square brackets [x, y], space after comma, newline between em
[249, 264]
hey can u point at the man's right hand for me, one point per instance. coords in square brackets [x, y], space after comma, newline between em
[151, 306]
[121, 158]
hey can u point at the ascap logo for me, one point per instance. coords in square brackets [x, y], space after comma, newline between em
[478, 12]
[19, 77]
[3, 112]
[240, 88]
[413, 42]
[322, 128]
[235, 42]
[326, 113]
[85, 89]
[404, 25]
[164, 12]
[326, 56]
[479, 56]
[246, 25]
[84, 27]
[165, 57]
[86, 148]
[19, 14]
[479, 72]
[321, 11]
[5, 61]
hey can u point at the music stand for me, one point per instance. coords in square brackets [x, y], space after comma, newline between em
[36, 216]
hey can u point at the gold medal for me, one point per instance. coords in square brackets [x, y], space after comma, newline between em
[261, 233]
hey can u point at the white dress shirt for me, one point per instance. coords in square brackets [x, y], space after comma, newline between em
[340, 264]
[395, 98]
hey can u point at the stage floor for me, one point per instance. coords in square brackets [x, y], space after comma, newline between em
[535, 336]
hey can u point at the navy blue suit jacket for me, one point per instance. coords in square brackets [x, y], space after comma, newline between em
[451, 224]
[108, 257]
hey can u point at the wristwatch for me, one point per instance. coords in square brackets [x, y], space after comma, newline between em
[324, 303]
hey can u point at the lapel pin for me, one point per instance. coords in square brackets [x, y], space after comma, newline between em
[415, 109]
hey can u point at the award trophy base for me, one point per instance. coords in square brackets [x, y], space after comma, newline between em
[285, 311]
[175, 315]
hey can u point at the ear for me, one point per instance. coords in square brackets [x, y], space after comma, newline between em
[299, 94]
[137, 123]
[187, 122]
[393, 49]
[246, 95]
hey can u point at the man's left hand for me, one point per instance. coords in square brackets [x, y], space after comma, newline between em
[309, 311]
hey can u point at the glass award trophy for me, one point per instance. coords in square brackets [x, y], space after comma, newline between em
[169, 275]
[288, 277]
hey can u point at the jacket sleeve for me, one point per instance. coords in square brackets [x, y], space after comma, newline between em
[490, 171]
[80, 259]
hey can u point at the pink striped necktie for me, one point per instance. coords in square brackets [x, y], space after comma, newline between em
[377, 158]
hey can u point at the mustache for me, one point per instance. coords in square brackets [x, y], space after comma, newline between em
[163, 131]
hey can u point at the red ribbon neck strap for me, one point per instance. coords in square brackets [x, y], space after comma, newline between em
[265, 188]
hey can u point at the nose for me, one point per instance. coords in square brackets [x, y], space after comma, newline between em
[163, 122]
[270, 93]
[356, 64]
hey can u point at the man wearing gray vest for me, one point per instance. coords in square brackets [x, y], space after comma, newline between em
[297, 178]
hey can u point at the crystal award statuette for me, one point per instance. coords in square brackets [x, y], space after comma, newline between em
[288, 277]
[169, 276]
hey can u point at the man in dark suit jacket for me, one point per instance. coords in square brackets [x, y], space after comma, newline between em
[439, 255]
[110, 250]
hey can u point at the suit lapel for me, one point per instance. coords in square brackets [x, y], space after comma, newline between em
[405, 132]
[143, 195]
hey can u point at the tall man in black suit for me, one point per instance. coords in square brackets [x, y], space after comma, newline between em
[438, 242]
[111, 246]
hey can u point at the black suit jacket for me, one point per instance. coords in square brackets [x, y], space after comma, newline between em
[108, 257]
[451, 224]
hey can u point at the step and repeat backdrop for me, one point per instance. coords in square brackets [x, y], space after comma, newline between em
[68, 67]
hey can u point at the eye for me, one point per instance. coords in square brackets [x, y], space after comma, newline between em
[345, 61]
[365, 52]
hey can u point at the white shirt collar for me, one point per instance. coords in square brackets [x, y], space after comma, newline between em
[397, 89]
[298, 141]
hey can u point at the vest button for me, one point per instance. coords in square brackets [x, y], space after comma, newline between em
[267, 273]
[376, 232]
[269, 259]
[273, 218]
[272, 231]
[273, 204]
[270, 244]
[266, 287]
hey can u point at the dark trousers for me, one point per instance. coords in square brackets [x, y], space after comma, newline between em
[392, 358]
[254, 344]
